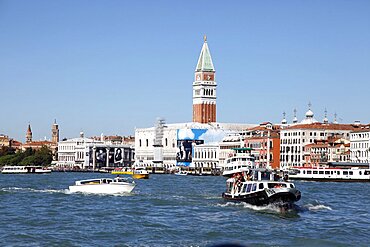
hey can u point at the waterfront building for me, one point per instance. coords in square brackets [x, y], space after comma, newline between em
[179, 141]
[5, 141]
[265, 142]
[206, 156]
[339, 150]
[87, 153]
[115, 139]
[360, 145]
[334, 149]
[294, 138]
[36, 145]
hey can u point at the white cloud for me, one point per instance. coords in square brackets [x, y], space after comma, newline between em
[212, 135]
[185, 134]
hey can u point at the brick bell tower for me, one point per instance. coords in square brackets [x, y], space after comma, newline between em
[204, 88]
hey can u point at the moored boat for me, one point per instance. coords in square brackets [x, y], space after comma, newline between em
[181, 173]
[24, 170]
[122, 171]
[103, 186]
[261, 187]
[140, 173]
[352, 174]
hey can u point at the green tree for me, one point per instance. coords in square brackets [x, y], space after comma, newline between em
[6, 151]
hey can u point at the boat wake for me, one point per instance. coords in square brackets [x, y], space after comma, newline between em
[316, 206]
[17, 189]
[271, 208]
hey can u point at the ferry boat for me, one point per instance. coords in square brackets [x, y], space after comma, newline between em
[103, 186]
[335, 174]
[140, 173]
[24, 170]
[240, 160]
[261, 187]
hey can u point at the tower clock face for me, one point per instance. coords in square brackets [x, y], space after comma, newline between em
[208, 77]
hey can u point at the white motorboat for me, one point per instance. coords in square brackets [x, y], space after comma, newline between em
[181, 173]
[24, 170]
[240, 161]
[103, 186]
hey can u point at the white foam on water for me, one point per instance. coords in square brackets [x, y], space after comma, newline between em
[267, 208]
[318, 207]
[17, 189]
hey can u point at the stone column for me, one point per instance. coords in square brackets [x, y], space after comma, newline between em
[107, 156]
[94, 157]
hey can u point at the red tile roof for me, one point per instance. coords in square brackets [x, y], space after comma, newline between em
[330, 126]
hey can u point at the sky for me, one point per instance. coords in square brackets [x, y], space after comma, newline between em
[113, 66]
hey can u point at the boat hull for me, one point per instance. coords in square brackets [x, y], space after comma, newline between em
[122, 172]
[349, 180]
[102, 188]
[266, 197]
[140, 176]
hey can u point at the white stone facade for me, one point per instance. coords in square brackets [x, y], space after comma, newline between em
[83, 153]
[206, 155]
[295, 138]
[360, 146]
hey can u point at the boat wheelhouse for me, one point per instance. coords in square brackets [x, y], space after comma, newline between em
[24, 170]
[140, 173]
[240, 160]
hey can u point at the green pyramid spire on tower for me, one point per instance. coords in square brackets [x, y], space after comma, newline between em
[205, 60]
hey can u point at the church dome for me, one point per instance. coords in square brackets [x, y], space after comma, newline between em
[309, 114]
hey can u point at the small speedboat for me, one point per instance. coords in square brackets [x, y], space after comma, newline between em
[140, 173]
[181, 173]
[103, 186]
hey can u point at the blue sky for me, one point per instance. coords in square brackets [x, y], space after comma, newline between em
[110, 66]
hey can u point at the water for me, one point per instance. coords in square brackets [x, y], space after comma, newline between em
[168, 210]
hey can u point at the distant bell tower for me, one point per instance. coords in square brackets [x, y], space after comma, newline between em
[204, 88]
[29, 134]
[55, 132]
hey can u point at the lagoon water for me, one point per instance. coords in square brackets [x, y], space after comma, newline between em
[169, 210]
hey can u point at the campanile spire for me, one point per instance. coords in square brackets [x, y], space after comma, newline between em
[204, 88]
